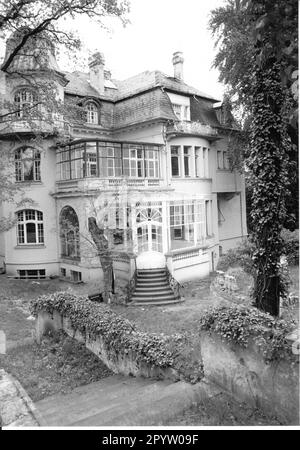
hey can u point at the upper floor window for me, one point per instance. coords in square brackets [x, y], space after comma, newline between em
[108, 160]
[27, 164]
[25, 100]
[30, 227]
[187, 161]
[91, 113]
[222, 160]
[182, 112]
[175, 164]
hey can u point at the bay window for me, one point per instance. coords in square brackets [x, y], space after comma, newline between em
[107, 160]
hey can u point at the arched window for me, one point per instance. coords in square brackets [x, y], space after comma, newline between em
[24, 100]
[91, 112]
[30, 227]
[69, 233]
[27, 164]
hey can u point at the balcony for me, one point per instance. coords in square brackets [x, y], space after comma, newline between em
[193, 129]
[109, 184]
[32, 126]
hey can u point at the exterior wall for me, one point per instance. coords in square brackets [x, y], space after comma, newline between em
[232, 227]
[35, 256]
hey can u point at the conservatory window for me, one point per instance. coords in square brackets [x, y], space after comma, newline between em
[187, 227]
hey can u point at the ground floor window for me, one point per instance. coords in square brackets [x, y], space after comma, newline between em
[34, 274]
[187, 223]
[69, 233]
[75, 276]
[30, 227]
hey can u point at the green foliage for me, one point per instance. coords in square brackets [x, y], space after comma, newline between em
[291, 246]
[242, 325]
[238, 257]
[118, 334]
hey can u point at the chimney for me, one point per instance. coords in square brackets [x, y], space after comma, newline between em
[96, 65]
[178, 65]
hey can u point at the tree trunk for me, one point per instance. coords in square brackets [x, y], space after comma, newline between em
[105, 258]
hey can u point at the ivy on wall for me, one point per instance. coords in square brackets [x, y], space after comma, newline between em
[241, 325]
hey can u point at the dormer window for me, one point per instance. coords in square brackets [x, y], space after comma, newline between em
[182, 112]
[24, 100]
[91, 113]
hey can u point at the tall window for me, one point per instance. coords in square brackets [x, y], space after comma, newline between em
[187, 226]
[91, 112]
[133, 160]
[175, 161]
[24, 100]
[151, 163]
[208, 217]
[187, 161]
[27, 164]
[222, 160]
[30, 227]
[69, 233]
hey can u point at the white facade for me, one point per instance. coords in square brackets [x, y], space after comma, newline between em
[159, 183]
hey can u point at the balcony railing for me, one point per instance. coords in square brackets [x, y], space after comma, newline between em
[108, 184]
[194, 128]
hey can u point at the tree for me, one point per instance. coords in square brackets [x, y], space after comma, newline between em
[257, 59]
[36, 28]
[236, 28]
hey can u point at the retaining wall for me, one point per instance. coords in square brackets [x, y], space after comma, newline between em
[274, 387]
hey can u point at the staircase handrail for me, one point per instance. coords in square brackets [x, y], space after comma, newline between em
[174, 284]
[131, 287]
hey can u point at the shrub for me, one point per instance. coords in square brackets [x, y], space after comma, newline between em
[118, 334]
[239, 324]
[291, 246]
[240, 256]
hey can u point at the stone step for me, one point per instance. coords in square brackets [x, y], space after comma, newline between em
[157, 303]
[153, 298]
[159, 288]
[150, 271]
[154, 294]
[150, 280]
[152, 275]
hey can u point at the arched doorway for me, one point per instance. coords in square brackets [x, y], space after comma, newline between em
[149, 227]
[69, 233]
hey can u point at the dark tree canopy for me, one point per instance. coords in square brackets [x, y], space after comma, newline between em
[258, 61]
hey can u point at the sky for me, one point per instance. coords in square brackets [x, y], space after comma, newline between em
[156, 30]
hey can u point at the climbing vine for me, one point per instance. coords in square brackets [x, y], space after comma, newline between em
[241, 325]
[118, 334]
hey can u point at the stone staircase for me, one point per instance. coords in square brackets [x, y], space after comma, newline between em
[152, 288]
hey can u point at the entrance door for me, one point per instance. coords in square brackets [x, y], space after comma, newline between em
[149, 237]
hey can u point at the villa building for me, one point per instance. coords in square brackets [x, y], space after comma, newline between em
[147, 158]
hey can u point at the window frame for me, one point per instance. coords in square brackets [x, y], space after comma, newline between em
[23, 227]
[20, 165]
[92, 115]
[23, 103]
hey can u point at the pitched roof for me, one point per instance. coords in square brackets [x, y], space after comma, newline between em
[150, 105]
[79, 84]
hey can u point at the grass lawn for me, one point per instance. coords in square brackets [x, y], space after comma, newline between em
[58, 365]
[225, 411]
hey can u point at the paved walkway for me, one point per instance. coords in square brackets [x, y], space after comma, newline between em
[122, 401]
